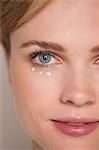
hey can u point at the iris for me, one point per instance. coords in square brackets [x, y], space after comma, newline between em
[45, 58]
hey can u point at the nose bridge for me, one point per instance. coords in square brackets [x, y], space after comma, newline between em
[78, 90]
[81, 77]
[80, 81]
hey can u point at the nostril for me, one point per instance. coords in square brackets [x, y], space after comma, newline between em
[77, 102]
[67, 101]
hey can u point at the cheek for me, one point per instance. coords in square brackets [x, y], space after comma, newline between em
[33, 92]
[30, 90]
[33, 98]
[95, 82]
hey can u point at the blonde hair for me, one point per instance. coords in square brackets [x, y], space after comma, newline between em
[14, 13]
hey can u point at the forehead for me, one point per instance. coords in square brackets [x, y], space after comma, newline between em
[64, 18]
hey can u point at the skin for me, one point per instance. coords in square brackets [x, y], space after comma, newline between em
[39, 98]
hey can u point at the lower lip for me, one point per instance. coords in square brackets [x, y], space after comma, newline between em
[76, 131]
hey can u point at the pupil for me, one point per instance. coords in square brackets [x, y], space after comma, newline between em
[45, 58]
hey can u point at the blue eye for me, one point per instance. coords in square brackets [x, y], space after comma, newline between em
[45, 58]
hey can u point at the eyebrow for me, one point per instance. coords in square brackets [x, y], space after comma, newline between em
[45, 45]
[51, 45]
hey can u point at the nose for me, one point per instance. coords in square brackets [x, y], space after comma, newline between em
[78, 93]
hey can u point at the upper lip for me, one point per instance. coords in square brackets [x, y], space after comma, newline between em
[76, 120]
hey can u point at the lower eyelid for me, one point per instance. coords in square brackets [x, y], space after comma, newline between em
[44, 66]
[41, 66]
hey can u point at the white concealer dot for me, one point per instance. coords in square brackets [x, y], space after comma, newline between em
[48, 73]
[33, 69]
[40, 72]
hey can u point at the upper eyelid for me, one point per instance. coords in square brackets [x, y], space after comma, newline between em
[43, 52]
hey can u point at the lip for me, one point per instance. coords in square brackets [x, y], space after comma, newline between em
[76, 126]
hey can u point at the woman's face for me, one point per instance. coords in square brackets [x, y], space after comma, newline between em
[54, 71]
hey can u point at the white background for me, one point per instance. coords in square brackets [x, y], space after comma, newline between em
[12, 136]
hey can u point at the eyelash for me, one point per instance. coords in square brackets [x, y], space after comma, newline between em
[36, 53]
